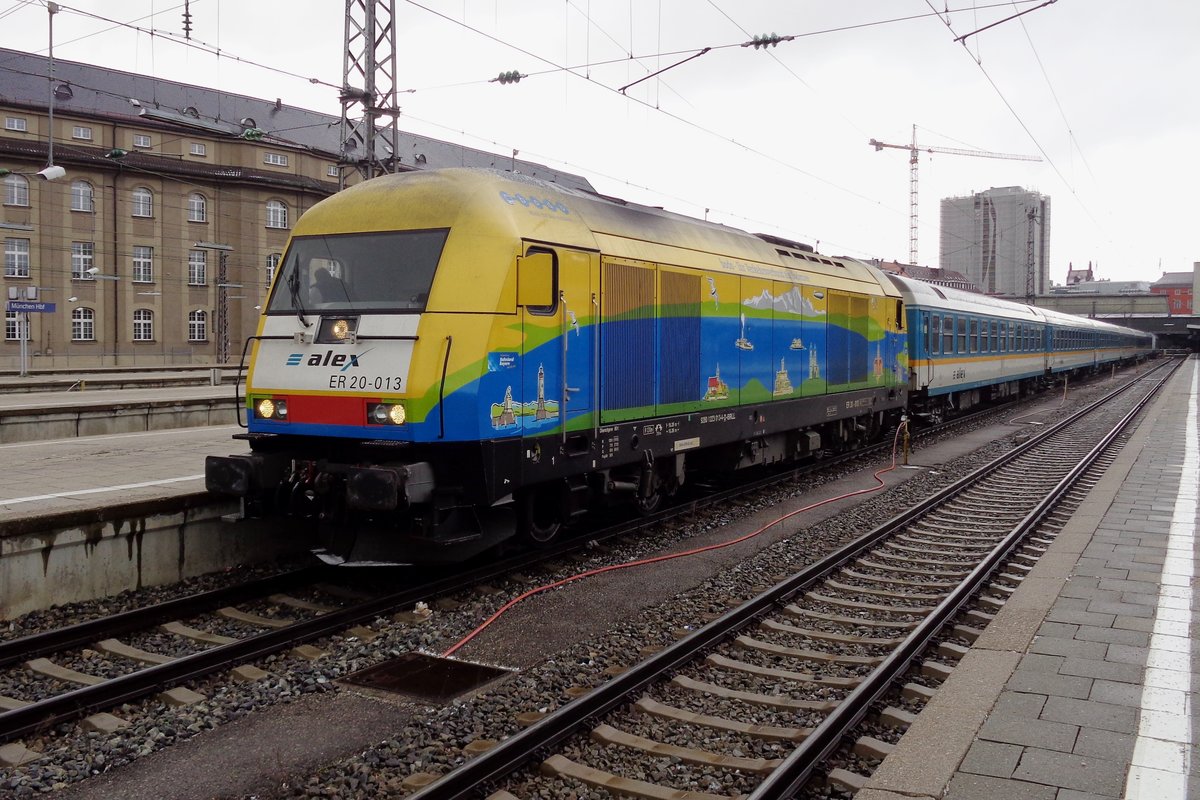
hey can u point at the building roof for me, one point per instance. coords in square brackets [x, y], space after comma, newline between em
[91, 91]
[1175, 279]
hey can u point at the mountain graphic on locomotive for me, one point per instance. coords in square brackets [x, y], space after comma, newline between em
[493, 355]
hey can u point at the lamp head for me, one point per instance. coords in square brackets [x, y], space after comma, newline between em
[52, 173]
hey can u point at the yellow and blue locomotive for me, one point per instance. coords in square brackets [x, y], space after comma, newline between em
[450, 357]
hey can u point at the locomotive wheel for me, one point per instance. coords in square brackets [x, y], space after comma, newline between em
[650, 504]
[540, 517]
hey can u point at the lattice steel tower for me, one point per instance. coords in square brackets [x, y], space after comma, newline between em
[369, 78]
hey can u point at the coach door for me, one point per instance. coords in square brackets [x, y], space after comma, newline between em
[559, 359]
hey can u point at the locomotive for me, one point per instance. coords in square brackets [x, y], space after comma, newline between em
[448, 358]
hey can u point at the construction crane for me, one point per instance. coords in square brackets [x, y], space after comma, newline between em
[913, 151]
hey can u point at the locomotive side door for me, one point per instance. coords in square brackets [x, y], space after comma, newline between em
[559, 363]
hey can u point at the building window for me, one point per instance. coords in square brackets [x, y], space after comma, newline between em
[198, 149]
[15, 124]
[141, 140]
[197, 208]
[81, 132]
[83, 325]
[143, 325]
[277, 159]
[197, 267]
[83, 258]
[16, 258]
[272, 266]
[143, 202]
[16, 190]
[83, 197]
[332, 171]
[277, 214]
[197, 326]
[143, 264]
[12, 327]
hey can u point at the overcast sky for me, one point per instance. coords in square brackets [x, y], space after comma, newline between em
[774, 140]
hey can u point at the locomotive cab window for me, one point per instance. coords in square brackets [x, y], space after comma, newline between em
[381, 272]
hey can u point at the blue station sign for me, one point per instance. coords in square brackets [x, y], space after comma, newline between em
[29, 306]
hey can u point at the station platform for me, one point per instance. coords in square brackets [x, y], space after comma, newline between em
[127, 403]
[1086, 683]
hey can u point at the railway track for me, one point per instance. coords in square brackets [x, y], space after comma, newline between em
[65, 674]
[752, 703]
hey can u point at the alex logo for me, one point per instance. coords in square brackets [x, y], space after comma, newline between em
[328, 359]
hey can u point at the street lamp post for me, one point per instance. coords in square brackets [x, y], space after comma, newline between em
[223, 285]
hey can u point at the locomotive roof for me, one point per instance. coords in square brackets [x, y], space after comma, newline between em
[613, 226]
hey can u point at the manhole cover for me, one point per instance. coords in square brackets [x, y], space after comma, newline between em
[425, 677]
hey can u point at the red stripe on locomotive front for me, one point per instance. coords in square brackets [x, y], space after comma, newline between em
[328, 410]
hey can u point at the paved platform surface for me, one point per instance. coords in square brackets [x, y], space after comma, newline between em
[49, 477]
[1086, 684]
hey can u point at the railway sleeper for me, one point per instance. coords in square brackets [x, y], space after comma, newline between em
[908, 570]
[846, 587]
[959, 567]
[949, 537]
[845, 780]
[559, 765]
[967, 632]
[754, 698]
[826, 636]
[607, 734]
[800, 654]
[878, 608]
[663, 711]
[934, 545]
[862, 576]
[797, 611]
[724, 662]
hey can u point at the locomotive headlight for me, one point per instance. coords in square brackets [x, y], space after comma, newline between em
[270, 408]
[340, 329]
[386, 414]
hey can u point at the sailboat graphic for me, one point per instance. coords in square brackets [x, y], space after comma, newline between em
[743, 343]
[796, 344]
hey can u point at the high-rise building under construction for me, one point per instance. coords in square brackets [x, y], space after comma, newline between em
[1000, 239]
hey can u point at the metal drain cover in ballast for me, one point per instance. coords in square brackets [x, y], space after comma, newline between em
[425, 677]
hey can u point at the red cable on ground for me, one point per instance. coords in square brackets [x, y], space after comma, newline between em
[589, 573]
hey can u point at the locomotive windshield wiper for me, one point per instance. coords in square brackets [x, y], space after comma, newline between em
[294, 290]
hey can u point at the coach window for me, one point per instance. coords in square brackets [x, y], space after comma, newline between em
[948, 334]
[935, 339]
[1003, 337]
[925, 331]
[974, 336]
[994, 345]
